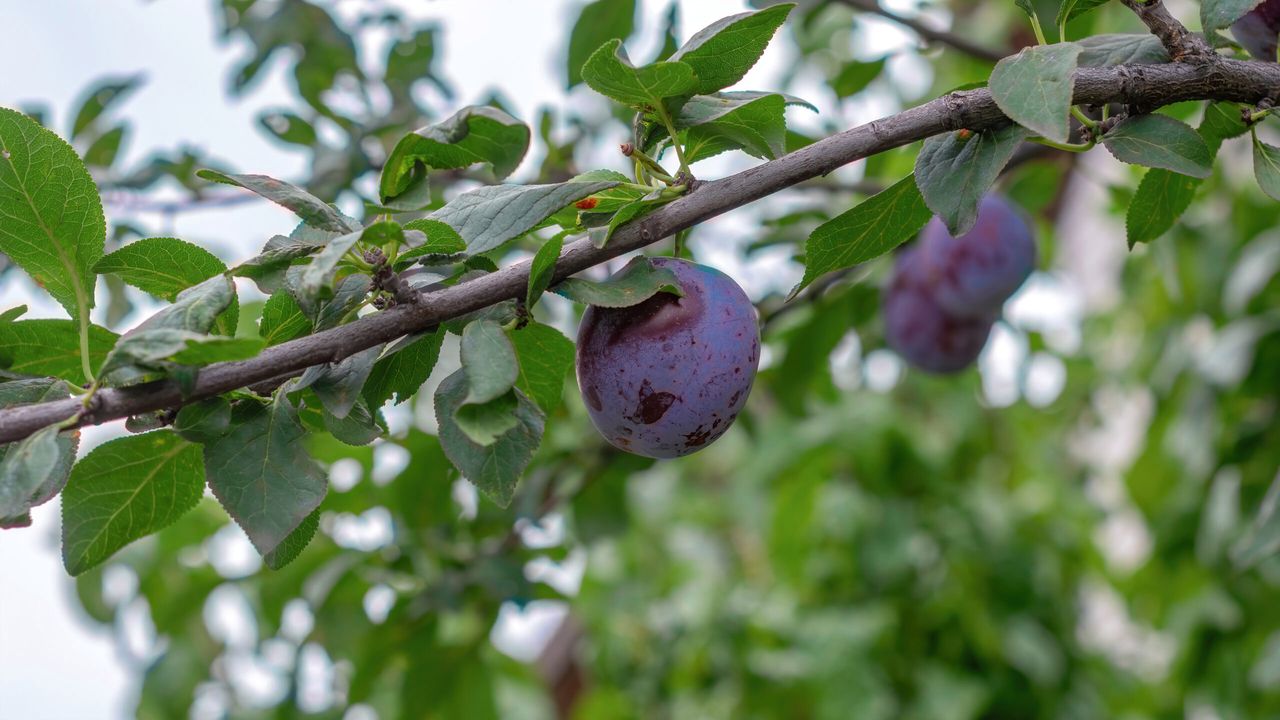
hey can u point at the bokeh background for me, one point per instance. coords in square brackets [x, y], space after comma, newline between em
[1070, 530]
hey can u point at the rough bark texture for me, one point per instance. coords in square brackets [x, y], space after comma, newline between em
[1142, 86]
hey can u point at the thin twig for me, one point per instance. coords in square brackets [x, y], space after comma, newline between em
[939, 36]
[1154, 86]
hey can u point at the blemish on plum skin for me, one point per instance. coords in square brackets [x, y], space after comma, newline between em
[652, 405]
[593, 398]
[697, 438]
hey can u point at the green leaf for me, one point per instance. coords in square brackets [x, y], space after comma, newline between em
[411, 59]
[1071, 9]
[1262, 538]
[29, 391]
[1027, 7]
[542, 270]
[292, 546]
[209, 349]
[483, 423]
[204, 421]
[25, 479]
[633, 210]
[1217, 14]
[52, 348]
[334, 311]
[752, 121]
[282, 319]
[1160, 141]
[164, 267]
[1161, 198]
[490, 216]
[267, 269]
[338, 385]
[317, 277]
[670, 31]
[402, 369]
[1121, 49]
[313, 211]
[53, 225]
[34, 469]
[956, 170]
[638, 281]
[609, 72]
[261, 473]
[1034, 88]
[171, 330]
[1221, 122]
[722, 53]
[598, 22]
[443, 243]
[100, 98]
[494, 469]
[104, 150]
[855, 76]
[360, 426]
[1266, 167]
[126, 489]
[489, 361]
[12, 314]
[474, 134]
[545, 356]
[865, 231]
[288, 127]
[161, 266]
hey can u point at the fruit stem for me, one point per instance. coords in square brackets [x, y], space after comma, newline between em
[1068, 147]
[1039, 31]
[1085, 120]
[671, 130]
[649, 165]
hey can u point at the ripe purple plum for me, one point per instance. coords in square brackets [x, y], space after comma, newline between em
[667, 377]
[1258, 29]
[975, 273]
[919, 329]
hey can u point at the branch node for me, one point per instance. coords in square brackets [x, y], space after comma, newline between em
[1182, 45]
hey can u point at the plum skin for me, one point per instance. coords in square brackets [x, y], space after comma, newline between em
[1257, 31]
[924, 333]
[975, 273]
[667, 377]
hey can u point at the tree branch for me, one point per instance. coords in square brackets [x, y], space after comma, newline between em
[1182, 44]
[939, 36]
[1147, 85]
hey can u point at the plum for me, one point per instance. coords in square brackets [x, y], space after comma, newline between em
[975, 273]
[1258, 29]
[666, 377]
[919, 329]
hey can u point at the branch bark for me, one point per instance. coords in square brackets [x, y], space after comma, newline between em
[939, 36]
[1182, 44]
[1147, 85]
